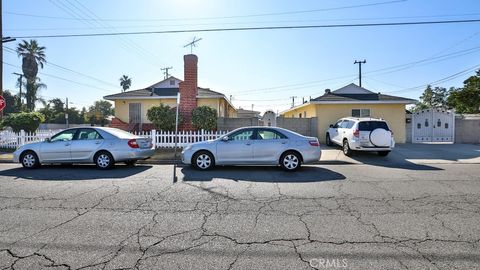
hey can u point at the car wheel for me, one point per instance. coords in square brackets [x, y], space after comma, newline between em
[203, 161]
[131, 163]
[346, 148]
[29, 160]
[290, 161]
[328, 140]
[383, 153]
[104, 160]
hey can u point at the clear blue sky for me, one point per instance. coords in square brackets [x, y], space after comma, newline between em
[264, 68]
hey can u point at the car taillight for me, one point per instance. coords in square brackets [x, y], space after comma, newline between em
[133, 143]
[356, 133]
[314, 143]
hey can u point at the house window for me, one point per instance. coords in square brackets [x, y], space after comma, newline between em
[300, 115]
[172, 82]
[360, 112]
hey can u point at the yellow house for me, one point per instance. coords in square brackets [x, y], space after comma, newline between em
[355, 101]
[131, 106]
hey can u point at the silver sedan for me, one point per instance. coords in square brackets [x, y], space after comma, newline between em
[254, 146]
[100, 145]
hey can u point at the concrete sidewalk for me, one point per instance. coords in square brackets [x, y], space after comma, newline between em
[401, 154]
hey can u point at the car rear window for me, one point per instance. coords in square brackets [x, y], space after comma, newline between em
[120, 133]
[372, 125]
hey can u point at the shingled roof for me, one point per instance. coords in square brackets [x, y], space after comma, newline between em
[161, 93]
[353, 93]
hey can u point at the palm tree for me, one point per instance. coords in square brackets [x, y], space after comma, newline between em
[32, 56]
[125, 82]
[33, 87]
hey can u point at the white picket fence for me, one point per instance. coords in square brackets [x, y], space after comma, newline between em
[166, 139]
[161, 139]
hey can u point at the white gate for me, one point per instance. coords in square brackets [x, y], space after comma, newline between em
[433, 125]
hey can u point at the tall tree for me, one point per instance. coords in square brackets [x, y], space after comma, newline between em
[33, 87]
[125, 82]
[12, 103]
[432, 98]
[99, 112]
[32, 56]
[466, 99]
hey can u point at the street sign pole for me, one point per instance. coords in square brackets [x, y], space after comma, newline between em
[176, 141]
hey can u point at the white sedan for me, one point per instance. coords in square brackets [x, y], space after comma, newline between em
[254, 146]
[100, 145]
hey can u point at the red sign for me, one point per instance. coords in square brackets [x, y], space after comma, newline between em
[2, 103]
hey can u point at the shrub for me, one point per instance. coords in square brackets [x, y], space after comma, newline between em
[163, 117]
[204, 117]
[28, 121]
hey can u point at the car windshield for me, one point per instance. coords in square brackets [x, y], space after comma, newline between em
[372, 125]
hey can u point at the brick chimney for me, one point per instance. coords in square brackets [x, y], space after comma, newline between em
[188, 91]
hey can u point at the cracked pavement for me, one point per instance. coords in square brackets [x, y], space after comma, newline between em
[329, 216]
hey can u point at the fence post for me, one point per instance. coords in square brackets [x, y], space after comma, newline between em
[22, 137]
[203, 135]
[153, 135]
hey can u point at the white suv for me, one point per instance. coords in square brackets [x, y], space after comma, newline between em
[361, 134]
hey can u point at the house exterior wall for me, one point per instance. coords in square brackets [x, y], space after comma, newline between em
[307, 111]
[394, 114]
[122, 107]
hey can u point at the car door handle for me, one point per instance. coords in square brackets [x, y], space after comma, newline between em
[67, 144]
[248, 143]
[284, 142]
[98, 142]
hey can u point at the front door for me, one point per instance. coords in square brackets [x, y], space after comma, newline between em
[135, 112]
[238, 149]
[58, 148]
[86, 143]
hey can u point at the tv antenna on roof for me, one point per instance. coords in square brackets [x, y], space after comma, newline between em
[193, 44]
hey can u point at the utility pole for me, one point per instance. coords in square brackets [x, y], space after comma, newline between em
[360, 69]
[166, 71]
[293, 100]
[252, 107]
[20, 79]
[66, 113]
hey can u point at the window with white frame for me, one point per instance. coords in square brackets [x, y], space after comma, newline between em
[360, 112]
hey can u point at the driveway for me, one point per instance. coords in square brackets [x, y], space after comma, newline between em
[358, 216]
[408, 154]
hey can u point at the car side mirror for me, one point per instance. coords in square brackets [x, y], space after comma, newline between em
[331, 125]
[225, 138]
[47, 140]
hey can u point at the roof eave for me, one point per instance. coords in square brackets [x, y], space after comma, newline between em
[364, 102]
[140, 97]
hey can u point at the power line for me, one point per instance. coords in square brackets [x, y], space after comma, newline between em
[445, 79]
[63, 79]
[49, 63]
[130, 26]
[251, 29]
[224, 17]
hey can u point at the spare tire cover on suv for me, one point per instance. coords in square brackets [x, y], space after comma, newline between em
[380, 137]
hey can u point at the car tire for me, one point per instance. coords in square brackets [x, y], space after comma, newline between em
[131, 163]
[203, 161]
[104, 160]
[346, 148]
[290, 161]
[29, 160]
[383, 153]
[328, 141]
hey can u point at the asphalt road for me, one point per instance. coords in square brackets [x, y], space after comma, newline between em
[404, 216]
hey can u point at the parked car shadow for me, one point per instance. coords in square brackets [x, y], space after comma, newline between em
[74, 172]
[390, 161]
[262, 174]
